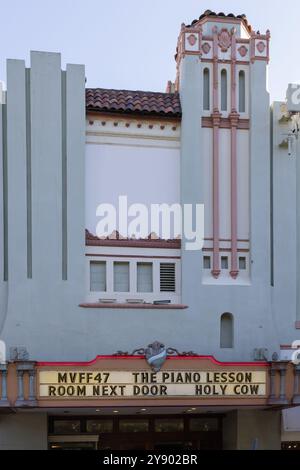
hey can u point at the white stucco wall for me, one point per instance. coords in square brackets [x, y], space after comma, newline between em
[145, 174]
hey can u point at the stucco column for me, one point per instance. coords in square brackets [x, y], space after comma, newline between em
[298, 232]
[216, 196]
[234, 120]
[192, 172]
[20, 376]
[32, 394]
[216, 119]
[28, 367]
[296, 399]
[278, 369]
[272, 373]
[3, 397]
[283, 384]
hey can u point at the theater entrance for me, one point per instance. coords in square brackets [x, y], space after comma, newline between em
[159, 433]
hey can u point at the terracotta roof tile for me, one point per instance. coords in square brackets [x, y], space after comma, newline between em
[208, 13]
[134, 102]
[92, 240]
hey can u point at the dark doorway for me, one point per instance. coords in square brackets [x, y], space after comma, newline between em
[144, 432]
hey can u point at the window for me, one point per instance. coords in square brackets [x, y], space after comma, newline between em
[242, 92]
[126, 279]
[204, 424]
[103, 426]
[206, 262]
[224, 262]
[167, 277]
[224, 90]
[66, 427]
[226, 335]
[206, 90]
[242, 263]
[121, 277]
[132, 425]
[144, 277]
[98, 276]
[169, 425]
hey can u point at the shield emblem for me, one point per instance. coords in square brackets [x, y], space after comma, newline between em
[261, 47]
[192, 39]
[224, 40]
[156, 355]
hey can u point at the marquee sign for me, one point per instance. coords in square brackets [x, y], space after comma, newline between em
[150, 377]
[155, 375]
[105, 384]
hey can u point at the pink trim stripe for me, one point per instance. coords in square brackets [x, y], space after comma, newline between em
[139, 358]
[234, 224]
[216, 117]
[215, 71]
[91, 255]
[216, 209]
[243, 124]
[234, 121]
[233, 73]
[134, 306]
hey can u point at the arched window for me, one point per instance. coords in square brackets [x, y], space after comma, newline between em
[242, 92]
[226, 331]
[206, 90]
[224, 90]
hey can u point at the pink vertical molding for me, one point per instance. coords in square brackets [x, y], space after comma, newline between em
[182, 51]
[268, 34]
[234, 120]
[252, 47]
[216, 118]
[233, 71]
[200, 40]
[215, 71]
[216, 195]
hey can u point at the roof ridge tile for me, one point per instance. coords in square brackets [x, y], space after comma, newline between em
[133, 101]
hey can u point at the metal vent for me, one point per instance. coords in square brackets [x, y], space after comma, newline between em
[167, 277]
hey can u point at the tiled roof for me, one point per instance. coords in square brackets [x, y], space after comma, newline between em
[92, 240]
[133, 102]
[208, 13]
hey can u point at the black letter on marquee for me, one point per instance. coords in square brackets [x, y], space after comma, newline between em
[62, 378]
[52, 392]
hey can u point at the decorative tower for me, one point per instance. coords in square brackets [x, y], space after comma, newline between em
[221, 77]
[225, 165]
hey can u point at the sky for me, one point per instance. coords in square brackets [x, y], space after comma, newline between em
[130, 44]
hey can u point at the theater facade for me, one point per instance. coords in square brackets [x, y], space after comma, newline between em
[131, 339]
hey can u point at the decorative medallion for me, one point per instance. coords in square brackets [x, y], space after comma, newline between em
[156, 355]
[192, 39]
[206, 48]
[261, 47]
[243, 51]
[224, 40]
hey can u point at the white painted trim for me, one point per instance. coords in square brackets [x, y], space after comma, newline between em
[122, 297]
[243, 68]
[128, 251]
[127, 141]
[137, 128]
[225, 277]
[226, 67]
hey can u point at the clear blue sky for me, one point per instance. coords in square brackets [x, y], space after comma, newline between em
[131, 43]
